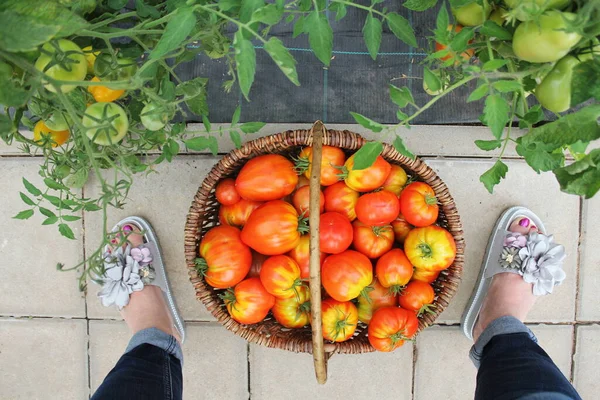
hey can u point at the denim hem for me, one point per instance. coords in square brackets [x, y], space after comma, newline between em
[158, 338]
[500, 326]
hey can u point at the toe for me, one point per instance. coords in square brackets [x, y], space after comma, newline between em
[523, 225]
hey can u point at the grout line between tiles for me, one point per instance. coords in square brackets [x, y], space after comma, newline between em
[89, 363]
[414, 369]
[248, 370]
[580, 249]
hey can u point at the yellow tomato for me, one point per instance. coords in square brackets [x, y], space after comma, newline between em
[41, 131]
[104, 94]
[90, 58]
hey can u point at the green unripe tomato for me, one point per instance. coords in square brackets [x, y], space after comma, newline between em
[154, 117]
[445, 82]
[526, 7]
[472, 14]
[544, 42]
[108, 68]
[554, 92]
[59, 121]
[62, 60]
[106, 123]
[497, 16]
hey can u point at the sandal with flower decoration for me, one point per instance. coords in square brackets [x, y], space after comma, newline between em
[534, 256]
[128, 269]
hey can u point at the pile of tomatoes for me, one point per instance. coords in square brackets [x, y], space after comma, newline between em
[381, 249]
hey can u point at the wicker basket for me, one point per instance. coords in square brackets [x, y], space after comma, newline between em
[203, 215]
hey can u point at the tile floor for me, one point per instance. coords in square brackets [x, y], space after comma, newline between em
[56, 343]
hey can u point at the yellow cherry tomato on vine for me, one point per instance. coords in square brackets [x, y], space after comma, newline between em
[90, 57]
[41, 131]
[104, 94]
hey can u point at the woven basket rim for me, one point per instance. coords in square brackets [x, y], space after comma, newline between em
[446, 285]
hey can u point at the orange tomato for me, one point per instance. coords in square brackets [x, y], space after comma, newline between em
[368, 179]
[41, 133]
[376, 297]
[394, 270]
[248, 302]
[301, 254]
[293, 312]
[417, 297]
[103, 93]
[280, 275]
[265, 178]
[401, 228]
[345, 275]
[418, 204]
[377, 208]
[465, 55]
[390, 327]
[341, 199]
[396, 180]
[237, 214]
[339, 319]
[226, 193]
[423, 275]
[331, 158]
[372, 241]
[431, 248]
[257, 262]
[301, 200]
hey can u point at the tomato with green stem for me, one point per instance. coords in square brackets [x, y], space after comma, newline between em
[377, 208]
[42, 135]
[390, 327]
[62, 60]
[248, 302]
[341, 199]
[372, 241]
[418, 297]
[293, 312]
[373, 298]
[267, 177]
[431, 248]
[335, 233]
[472, 14]
[274, 228]
[418, 204]
[394, 270]
[114, 68]
[301, 200]
[301, 254]
[238, 213]
[368, 179]
[280, 275]
[331, 158]
[339, 319]
[104, 93]
[224, 260]
[106, 123]
[154, 116]
[344, 276]
[523, 9]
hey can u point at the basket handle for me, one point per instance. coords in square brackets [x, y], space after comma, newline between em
[319, 359]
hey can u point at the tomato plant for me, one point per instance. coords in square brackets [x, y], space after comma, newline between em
[373, 298]
[396, 180]
[154, 117]
[431, 248]
[472, 14]
[280, 275]
[238, 213]
[341, 199]
[390, 327]
[225, 260]
[273, 228]
[368, 179]
[301, 254]
[401, 228]
[465, 55]
[43, 135]
[417, 296]
[62, 60]
[226, 193]
[249, 302]
[372, 241]
[104, 93]
[345, 275]
[394, 270]
[339, 319]
[105, 123]
[301, 200]
[335, 233]
[265, 178]
[108, 67]
[377, 208]
[418, 204]
[331, 159]
[293, 312]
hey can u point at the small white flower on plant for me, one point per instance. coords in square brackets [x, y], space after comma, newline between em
[121, 277]
[542, 263]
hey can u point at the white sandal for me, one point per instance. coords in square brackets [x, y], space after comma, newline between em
[534, 256]
[128, 270]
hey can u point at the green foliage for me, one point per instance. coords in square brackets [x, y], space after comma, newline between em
[366, 155]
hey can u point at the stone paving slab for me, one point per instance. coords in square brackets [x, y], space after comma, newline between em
[589, 270]
[585, 377]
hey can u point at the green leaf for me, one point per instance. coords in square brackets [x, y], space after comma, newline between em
[541, 160]
[507, 86]
[493, 65]
[229, 5]
[419, 5]
[25, 214]
[488, 145]
[401, 96]
[401, 148]
[298, 27]
[145, 10]
[77, 179]
[367, 122]
[46, 212]
[366, 155]
[496, 114]
[492, 176]
[26, 199]
[461, 40]
[492, 29]
[584, 83]
[66, 231]
[401, 115]
[235, 138]
[50, 221]
[201, 143]
[432, 80]
[252, 127]
[247, 9]
[116, 4]
[401, 28]
[282, 57]
[441, 25]
[235, 118]
[56, 201]
[320, 36]
[245, 60]
[91, 207]
[478, 93]
[581, 178]
[339, 9]
[11, 92]
[30, 188]
[268, 14]
[177, 30]
[71, 218]
[12, 34]
[54, 185]
[372, 34]
[206, 122]
[194, 93]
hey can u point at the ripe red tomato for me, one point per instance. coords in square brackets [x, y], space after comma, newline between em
[301, 201]
[377, 208]
[372, 241]
[345, 275]
[293, 312]
[394, 270]
[368, 179]
[423, 275]
[339, 319]
[266, 178]
[341, 199]
[431, 248]
[418, 204]
[280, 275]
[257, 262]
[248, 302]
[331, 158]
[390, 327]
[401, 228]
[226, 193]
[273, 228]
[301, 254]
[376, 297]
[418, 297]
[335, 233]
[237, 214]
[396, 180]
[225, 259]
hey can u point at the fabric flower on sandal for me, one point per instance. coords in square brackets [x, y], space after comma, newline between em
[121, 276]
[542, 263]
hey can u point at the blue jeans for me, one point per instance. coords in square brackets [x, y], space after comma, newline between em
[511, 366]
